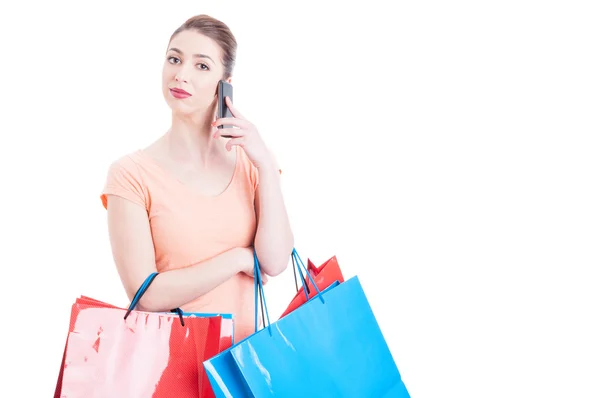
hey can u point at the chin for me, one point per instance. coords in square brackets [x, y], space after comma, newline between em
[177, 106]
[184, 112]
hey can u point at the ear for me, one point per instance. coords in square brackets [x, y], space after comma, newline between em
[229, 79]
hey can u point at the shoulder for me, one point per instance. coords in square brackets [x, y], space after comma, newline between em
[125, 178]
[129, 162]
[133, 167]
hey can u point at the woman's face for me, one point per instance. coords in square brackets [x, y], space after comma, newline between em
[191, 72]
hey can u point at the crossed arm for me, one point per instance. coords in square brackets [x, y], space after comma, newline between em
[133, 250]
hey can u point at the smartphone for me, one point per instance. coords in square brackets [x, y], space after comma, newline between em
[224, 89]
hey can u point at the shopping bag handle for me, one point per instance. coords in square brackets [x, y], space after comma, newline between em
[259, 292]
[296, 260]
[258, 296]
[311, 267]
[294, 268]
[297, 270]
[140, 292]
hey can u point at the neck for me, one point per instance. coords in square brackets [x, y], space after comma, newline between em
[190, 139]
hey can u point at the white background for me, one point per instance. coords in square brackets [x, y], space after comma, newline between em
[446, 152]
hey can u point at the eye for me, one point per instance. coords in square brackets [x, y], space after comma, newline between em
[173, 60]
[203, 66]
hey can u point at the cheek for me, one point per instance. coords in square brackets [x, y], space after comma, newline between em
[208, 87]
[167, 75]
[165, 84]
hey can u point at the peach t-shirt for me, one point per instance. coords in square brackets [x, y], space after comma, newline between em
[188, 227]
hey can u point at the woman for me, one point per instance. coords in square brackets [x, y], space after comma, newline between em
[194, 205]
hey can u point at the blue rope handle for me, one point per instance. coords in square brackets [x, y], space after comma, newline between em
[256, 293]
[297, 270]
[140, 292]
[298, 261]
[259, 290]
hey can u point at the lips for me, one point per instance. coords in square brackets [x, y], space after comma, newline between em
[179, 93]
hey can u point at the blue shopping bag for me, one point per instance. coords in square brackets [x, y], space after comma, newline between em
[331, 346]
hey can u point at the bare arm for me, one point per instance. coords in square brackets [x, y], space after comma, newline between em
[133, 251]
[274, 239]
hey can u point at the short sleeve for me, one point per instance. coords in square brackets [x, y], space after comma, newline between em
[124, 180]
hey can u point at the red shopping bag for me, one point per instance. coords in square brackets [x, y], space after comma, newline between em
[324, 276]
[145, 355]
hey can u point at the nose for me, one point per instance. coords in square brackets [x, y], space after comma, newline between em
[181, 77]
[183, 74]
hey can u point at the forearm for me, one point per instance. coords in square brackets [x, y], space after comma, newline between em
[174, 288]
[274, 239]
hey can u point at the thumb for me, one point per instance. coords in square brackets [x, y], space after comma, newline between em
[264, 277]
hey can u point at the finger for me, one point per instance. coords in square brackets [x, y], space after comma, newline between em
[239, 141]
[264, 278]
[233, 110]
[232, 121]
[229, 133]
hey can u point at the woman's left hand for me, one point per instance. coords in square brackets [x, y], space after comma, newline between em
[245, 135]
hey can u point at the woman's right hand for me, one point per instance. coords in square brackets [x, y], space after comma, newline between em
[245, 257]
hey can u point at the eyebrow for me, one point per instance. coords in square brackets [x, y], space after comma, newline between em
[178, 51]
